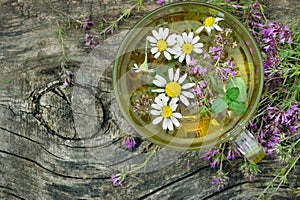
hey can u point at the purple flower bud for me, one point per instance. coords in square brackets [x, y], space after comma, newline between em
[129, 142]
[160, 2]
[117, 179]
[203, 84]
[88, 23]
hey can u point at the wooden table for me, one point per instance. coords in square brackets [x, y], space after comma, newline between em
[63, 144]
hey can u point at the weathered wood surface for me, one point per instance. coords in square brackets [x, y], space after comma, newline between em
[58, 144]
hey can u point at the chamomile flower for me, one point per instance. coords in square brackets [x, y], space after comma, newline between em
[175, 87]
[165, 112]
[209, 24]
[186, 45]
[144, 66]
[161, 43]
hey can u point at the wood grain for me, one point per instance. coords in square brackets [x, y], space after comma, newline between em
[64, 144]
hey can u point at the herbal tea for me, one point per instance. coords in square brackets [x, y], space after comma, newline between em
[185, 77]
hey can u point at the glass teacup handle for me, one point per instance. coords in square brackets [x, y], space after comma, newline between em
[248, 146]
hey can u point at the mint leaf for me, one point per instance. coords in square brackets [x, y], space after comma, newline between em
[218, 105]
[240, 83]
[238, 107]
[215, 85]
[232, 93]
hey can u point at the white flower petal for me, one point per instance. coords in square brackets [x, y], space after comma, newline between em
[161, 79]
[190, 37]
[185, 37]
[135, 66]
[177, 115]
[136, 70]
[151, 39]
[154, 50]
[176, 76]
[157, 55]
[175, 121]
[198, 50]
[171, 74]
[164, 100]
[198, 45]
[167, 55]
[160, 31]
[165, 125]
[173, 104]
[195, 40]
[187, 94]
[187, 86]
[170, 124]
[171, 40]
[188, 59]
[181, 57]
[217, 27]
[218, 19]
[171, 51]
[180, 40]
[158, 101]
[158, 90]
[157, 120]
[199, 29]
[184, 100]
[208, 30]
[156, 106]
[158, 83]
[155, 34]
[165, 33]
[155, 112]
[182, 78]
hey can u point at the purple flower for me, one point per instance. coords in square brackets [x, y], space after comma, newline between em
[118, 179]
[202, 70]
[197, 91]
[205, 56]
[192, 70]
[188, 163]
[129, 142]
[87, 24]
[209, 154]
[213, 164]
[231, 153]
[67, 77]
[203, 84]
[227, 71]
[92, 41]
[193, 62]
[220, 180]
[160, 2]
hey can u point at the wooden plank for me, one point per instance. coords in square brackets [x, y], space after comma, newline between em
[58, 144]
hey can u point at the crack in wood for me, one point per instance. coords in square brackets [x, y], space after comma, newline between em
[48, 170]
[10, 192]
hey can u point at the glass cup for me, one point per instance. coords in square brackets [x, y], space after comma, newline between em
[194, 133]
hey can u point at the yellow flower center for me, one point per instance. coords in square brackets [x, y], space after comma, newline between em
[187, 48]
[161, 45]
[209, 21]
[173, 89]
[166, 112]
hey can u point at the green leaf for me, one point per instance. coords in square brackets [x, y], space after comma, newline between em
[215, 85]
[218, 105]
[232, 93]
[239, 83]
[238, 107]
[172, 63]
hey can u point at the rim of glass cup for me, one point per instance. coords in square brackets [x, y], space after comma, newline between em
[250, 110]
